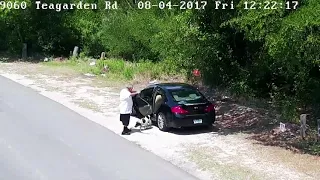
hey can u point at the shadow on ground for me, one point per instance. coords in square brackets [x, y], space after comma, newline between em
[195, 130]
[5, 57]
[137, 130]
[34, 58]
[232, 117]
[261, 122]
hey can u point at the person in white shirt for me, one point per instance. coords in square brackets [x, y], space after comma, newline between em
[126, 107]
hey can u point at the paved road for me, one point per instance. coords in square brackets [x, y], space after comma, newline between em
[41, 139]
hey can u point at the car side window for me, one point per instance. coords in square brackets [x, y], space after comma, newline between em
[162, 93]
[146, 95]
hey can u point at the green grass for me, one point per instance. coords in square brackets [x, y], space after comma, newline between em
[121, 70]
[76, 65]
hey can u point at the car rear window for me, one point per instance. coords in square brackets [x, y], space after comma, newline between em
[185, 96]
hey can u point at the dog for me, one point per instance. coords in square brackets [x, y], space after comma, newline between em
[145, 123]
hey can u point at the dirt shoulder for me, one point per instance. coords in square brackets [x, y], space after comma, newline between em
[224, 154]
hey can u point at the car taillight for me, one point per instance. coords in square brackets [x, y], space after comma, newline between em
[209, 108]
[179, 110]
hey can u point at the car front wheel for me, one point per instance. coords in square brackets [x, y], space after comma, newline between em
[162, 122]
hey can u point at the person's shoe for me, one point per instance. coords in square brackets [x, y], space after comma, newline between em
[125, 133]
[137, 124]
[127, 130]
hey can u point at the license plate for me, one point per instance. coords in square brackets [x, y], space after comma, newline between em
[197, 121]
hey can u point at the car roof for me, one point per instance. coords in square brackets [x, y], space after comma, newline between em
[172, 86]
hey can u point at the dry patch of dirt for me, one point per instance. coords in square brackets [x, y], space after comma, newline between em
[88, 105]
[227, 169]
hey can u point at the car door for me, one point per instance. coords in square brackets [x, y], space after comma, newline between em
[158, 91]
[144, 100]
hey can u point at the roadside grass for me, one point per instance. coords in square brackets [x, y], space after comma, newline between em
[78, 66]
[117, 70]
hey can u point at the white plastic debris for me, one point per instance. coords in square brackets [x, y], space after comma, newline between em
[282, 127]
[153, 82]
[92, 63]
[46, 59]
[89, 75]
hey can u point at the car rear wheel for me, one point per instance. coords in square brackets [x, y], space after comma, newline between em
[162, 122]
[210, 127]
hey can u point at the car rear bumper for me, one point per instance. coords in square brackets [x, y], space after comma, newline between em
[178, 121]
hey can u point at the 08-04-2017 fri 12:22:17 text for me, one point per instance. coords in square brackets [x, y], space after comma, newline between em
[247, 5]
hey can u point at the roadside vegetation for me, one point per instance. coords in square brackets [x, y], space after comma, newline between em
[269, 54]
[120, 70]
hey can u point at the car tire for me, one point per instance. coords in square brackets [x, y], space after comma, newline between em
[210, 127]
[162, 122]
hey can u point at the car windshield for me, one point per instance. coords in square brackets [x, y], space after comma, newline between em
[185, 96]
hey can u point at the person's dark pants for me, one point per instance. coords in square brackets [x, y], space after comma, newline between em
[125, 119]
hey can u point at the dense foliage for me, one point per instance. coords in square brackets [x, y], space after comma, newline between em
[271, 53]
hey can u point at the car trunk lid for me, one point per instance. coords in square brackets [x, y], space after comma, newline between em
[194, 109]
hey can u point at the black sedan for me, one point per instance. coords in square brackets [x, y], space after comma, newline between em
[174, 105]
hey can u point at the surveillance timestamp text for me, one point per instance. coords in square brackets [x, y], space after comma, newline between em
[182, 5]
[247, 5]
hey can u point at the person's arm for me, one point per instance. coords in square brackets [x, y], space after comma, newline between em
[133, 92]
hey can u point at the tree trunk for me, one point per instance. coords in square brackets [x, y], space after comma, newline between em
[24, 54]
